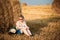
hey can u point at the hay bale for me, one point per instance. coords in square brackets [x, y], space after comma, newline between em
[56, 6]
[9, 12]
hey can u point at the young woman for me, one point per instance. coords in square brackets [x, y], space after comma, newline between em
[21, 25]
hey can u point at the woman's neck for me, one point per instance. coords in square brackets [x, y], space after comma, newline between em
[21, 21]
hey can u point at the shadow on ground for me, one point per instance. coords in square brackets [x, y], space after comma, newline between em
[36, 25]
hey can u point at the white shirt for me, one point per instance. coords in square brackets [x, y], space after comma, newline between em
[20, 25]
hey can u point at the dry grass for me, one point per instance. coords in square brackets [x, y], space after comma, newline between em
[47, 29]
[38, 12]
[43, 26]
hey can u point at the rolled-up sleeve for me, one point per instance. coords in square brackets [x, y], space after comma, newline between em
[17, 25]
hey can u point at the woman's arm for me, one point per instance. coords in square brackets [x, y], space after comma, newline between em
[18, 26]
[26, 25]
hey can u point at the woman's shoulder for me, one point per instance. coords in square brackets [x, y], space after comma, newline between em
[17, 22]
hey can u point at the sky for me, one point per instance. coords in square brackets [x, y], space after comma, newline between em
[36, 2]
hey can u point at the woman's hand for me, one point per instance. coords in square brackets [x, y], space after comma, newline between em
[27, 27]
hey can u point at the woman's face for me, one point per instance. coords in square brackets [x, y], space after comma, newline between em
[21, 19]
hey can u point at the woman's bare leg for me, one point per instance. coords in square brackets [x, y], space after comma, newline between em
[29, 32]
[25, 32]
